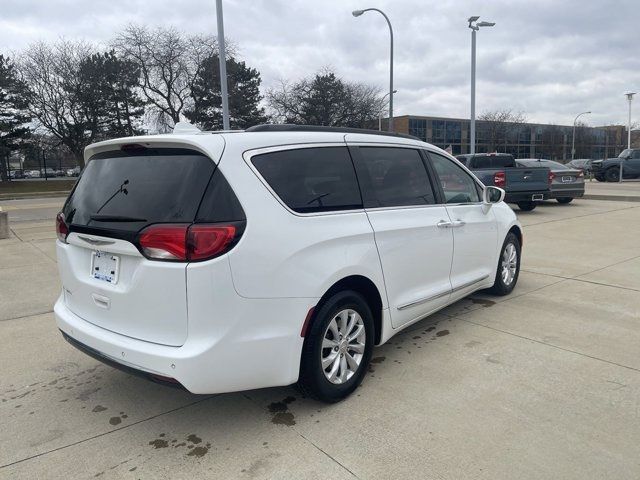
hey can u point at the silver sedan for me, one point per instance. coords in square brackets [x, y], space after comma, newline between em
[566, 184]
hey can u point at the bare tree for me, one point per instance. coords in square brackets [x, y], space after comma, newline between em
[500, 125]
[325, 99]
[552, 142]
[52, 74]
[170, 62]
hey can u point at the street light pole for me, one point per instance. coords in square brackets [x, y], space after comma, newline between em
[222, 57]
[573, 138]
[474, 28]
[357, 13]
[380, 112]
[630, 98]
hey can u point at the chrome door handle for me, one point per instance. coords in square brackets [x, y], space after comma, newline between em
[458, 223]
[443, 224]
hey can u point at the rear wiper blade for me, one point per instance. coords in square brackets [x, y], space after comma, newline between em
[116, 218]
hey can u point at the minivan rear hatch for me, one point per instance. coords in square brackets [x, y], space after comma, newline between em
[106, 279]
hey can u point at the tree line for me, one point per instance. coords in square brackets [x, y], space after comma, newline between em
[68, 94]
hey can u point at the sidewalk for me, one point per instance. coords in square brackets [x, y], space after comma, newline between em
[627, 191]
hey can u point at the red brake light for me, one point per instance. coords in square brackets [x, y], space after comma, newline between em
[62, 230]
[181, 242]
[206, 241]
[499, 179]
[164, 242]
[551, 176]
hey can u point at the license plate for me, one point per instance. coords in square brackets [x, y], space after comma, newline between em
[537, 197]
[567, 179]
[105, 266]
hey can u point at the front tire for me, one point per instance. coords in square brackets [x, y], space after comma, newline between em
[564, 200]
[612, 174]
[526, 206]
[338, 347]
[508, 266]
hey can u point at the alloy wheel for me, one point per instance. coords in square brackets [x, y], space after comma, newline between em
[509, 264]
[343, 346]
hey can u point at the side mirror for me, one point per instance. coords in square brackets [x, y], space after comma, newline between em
[492, 195]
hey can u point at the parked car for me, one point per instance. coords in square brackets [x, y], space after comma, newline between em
[16, 174]
[583, 164]
[608, 170]
[523, 186]
[567, 183]
[73, 172]
[283, 254]
[33, 174]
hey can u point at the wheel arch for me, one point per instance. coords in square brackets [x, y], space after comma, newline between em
[517, 231]
[365, 287]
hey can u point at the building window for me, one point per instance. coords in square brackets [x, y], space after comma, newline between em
[418, 128]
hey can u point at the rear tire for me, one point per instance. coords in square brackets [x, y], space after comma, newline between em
[564, 200]
[526, 206]
[508, 266]
[342, 337]
[612, 174]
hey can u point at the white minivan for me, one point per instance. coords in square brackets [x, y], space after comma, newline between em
[228, 261]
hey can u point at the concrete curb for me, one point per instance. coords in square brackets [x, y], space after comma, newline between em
[4, 224]
[615, 198]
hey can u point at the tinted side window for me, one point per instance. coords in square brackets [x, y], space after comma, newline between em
[311, 179]
[393, 177]
[458, 186]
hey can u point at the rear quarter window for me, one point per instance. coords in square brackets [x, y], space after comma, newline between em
[311, 180]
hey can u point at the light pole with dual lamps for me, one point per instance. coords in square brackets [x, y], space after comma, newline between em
[357, 13]
[630, 98]
[474, 25]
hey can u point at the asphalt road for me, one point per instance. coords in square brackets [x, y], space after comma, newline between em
[544, 383]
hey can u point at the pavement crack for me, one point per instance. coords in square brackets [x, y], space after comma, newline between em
[309, 441]
[580, 216]
[63, 447]
[34, 314]
[549, 345]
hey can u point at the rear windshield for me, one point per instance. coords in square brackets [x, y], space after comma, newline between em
[544, 163]
[125, 192]
[492, 161]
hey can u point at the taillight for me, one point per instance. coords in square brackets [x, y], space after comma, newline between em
[164, 242]
[499, 179]
[551, 176]
[180, 242]
[62, 230]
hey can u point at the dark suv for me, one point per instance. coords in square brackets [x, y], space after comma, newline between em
[608, 170]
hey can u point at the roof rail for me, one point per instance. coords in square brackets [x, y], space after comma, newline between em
[288, 127]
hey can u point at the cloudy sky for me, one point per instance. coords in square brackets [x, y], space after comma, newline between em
[550, 59]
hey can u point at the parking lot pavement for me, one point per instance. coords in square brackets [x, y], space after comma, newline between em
[544, 383]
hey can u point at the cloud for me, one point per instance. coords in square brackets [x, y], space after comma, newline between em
[548, 59]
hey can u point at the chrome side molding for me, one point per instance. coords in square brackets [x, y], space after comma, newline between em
[441, 294]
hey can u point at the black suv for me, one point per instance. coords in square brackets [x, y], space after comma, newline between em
[608, 170]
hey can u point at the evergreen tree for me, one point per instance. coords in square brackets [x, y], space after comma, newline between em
[244, 96]
[14, 98]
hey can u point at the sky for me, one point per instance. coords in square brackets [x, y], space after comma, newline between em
[547, 59]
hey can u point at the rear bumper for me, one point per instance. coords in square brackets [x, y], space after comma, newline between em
[245, 356]
[515, 197]
[568, 193]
